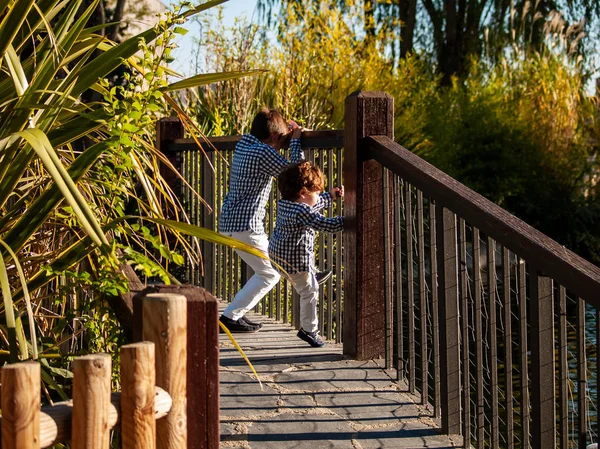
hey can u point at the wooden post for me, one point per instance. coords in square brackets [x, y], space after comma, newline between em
[138, 379]
[449, 319]
[202, 365]
[21, 406]
[91, 401]
[367, 114]
[169, 129]
[541, 311]
[165, 324]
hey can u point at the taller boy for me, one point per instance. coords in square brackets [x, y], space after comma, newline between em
[256, 161]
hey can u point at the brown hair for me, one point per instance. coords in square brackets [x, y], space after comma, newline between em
[268, 121]
[294, 177]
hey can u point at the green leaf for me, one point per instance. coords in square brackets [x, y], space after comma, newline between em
[209, 78]
[12, 23]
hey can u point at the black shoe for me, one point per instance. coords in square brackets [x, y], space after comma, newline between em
[323, 276]
[238, 325]
[312, 338]
[246, 320]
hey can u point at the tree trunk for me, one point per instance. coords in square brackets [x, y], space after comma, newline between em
[408, 16]
[117, 17]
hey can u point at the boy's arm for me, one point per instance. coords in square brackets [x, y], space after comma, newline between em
[272, 162]
[323, 202]
[318, 222]
[296, 153]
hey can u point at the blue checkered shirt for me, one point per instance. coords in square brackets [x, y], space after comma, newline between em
[292, 244]
[254, 165]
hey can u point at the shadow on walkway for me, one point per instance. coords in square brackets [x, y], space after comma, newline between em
[314, 398]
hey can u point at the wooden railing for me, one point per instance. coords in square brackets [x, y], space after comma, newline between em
[152, 407]
[222, 272]
[483, 316]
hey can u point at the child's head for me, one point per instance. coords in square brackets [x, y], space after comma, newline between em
[301, 182]
[269, 125]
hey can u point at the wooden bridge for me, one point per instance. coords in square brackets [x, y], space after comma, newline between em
[480, 324]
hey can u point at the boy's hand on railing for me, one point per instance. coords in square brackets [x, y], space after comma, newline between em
[337, 192]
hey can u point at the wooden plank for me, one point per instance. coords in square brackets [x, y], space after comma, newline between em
[582, 412]
[567, 268]
[422, 300]
[310, 139]
[400, 363]
[464, 319]
[138, 423]
[91, 400]
[541, 305]
[367, 113]
[434, 310]
[493, 341]
[508, 348]
[410, 287]
[165, 324]
[524, 359]
[388, 273]
[449, 322]
[477, 318]
[21, 406]
[563, 368]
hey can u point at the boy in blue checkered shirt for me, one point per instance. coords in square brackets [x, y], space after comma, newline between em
[256, 161]
[292, 243]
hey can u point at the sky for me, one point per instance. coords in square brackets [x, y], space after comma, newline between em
[231, 10]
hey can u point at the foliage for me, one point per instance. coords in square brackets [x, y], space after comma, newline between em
[518, 129]
[71, 172]
[452, 32]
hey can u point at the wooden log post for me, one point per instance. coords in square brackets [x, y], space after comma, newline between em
[138, 422]
[543, 388]
[91, 401]
[202, 364]
[21, 406]
[165, 324]
[364, 331]
[449, 321]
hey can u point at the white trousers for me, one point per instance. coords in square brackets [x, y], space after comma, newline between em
[264, 279]
[305, 283]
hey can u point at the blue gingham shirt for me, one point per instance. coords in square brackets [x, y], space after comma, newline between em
[292, 244]
[254, 165]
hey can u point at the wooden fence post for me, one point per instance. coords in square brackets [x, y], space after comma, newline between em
[165, 324]
[138, 379]
[91, 401]
[21, 406]
[541, 311]
[449, 319]
[367, 114]
[168, 129]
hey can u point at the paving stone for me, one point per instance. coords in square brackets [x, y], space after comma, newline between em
[371, 408]
[301, 431]
[408, 435]
[242, 396]
[358, 405]
[338, 375]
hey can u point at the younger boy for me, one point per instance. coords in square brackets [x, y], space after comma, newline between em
[256, 161]
[292, 243]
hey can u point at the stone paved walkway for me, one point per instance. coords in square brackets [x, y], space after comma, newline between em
[314, 398]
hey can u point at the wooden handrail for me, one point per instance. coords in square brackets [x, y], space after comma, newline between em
[310, 139]
[570, 270]
[55, 420]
